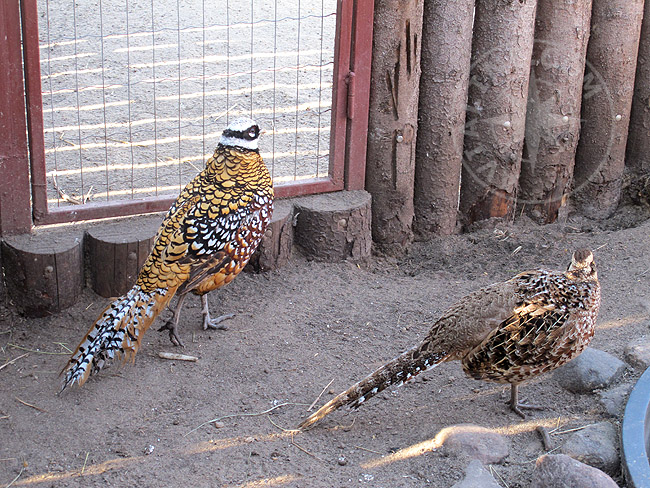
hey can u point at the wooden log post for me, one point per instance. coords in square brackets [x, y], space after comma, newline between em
[637, 156]
[496, 112]
[445, 63]
[44, 271]
[392, 126]
[606, 105]
[116, 251]
[334, 226]
[554, 99]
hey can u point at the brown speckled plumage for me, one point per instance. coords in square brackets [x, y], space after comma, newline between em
[205, 240]
[507, 332]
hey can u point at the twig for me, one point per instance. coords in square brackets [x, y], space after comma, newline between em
[30, 405]
[173, 356]
[494, 471]
[37, 352]
[290, 431]
[13, 360]
[293, 443]
[70, 199]
[17, 476]
[62, 344]
[242, 415]
[83, 468]
[4, 417]
[572, 430]
[369, 450]
[320, 395]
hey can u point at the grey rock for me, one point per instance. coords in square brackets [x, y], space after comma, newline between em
[595, 445]
[476, 476]
[637, 352]
[473, 441]
[591, 370]
[562, 471]
[613, 401]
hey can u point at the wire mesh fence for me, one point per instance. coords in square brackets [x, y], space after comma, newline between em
[137, 92]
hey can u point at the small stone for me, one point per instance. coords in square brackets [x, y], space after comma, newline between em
[249, 440]
[475, 442]
[637, 352]
[561, 471]
[148, 450]
[218, 425]
[342, 461]
[595, 445]
[613, 401]
[476, 476]
[591, 370]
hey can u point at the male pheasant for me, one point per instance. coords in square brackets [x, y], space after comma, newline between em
[506, 332]
[205, 240]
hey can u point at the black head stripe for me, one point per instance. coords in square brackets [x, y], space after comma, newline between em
[249, 134]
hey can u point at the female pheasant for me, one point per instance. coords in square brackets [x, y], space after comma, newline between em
[205, 240]
[507, 332]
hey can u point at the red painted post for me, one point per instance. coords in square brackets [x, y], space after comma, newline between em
[360, 65]
[15, 214]
[34, 103]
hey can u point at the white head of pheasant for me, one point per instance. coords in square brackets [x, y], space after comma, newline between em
[242, 133]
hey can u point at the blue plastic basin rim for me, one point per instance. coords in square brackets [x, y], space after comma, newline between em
[636, 434]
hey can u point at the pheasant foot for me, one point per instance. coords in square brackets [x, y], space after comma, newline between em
[210, 323]
[517, 406]
[172, 326]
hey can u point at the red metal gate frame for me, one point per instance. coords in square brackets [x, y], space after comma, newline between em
[352, 54]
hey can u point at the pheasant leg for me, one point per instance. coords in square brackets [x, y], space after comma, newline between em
[210, 323]
[516, 406]
[172, 324]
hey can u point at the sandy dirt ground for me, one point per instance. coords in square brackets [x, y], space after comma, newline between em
[298, 330]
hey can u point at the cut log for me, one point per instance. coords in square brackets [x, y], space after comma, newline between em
[117, 250]
[43, 271]
[392, 126]
[496, 111]
[275, 249]
[334, 226]
[446, 53]
[606, 104]
[554, 99]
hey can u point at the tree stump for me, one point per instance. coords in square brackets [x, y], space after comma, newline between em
[446, 53]
[334, 226]
[275, 249]
[392, 122]
[43, 271]
[496, 109]
[116, 252]
[554, 99]
[606, 104]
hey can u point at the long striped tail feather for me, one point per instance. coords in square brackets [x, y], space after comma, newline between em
[403, 368]
[116, 334]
